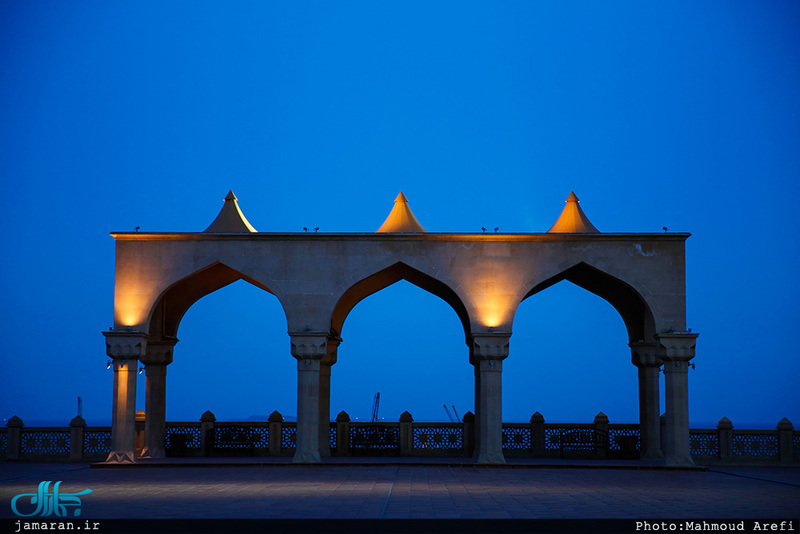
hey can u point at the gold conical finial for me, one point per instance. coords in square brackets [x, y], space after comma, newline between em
[572, 219]
[230, 220]
[401, 219]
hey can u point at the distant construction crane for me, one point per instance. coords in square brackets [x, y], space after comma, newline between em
[375, 405]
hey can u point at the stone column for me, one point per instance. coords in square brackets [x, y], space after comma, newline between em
[645, 357]
[125, 349]
[476, 441]
[156, 358]
[676, 351]
[309, 349]
[489, 350]
[325, 396]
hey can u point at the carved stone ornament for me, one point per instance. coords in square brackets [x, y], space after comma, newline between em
[125, 345]
[158, 352]
[492, 346]
[677, 346]
[309, 346]
[645, 355]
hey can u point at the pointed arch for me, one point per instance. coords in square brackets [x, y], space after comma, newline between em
[175, 301]
[388, 276]
[628, 302]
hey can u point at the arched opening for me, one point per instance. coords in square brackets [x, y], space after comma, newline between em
[232, 359]
[568, 351]
[233, 355]
[402, 342]
[570, 348]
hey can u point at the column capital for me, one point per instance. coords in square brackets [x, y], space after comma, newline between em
[125, 345]
[159, 352]
[309, 345]
[645, 354]
[490, 346]
[677, 346]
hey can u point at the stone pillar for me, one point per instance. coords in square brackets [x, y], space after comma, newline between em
[601, 435]
[125, 349]
[725, 439]
[785, 436]
[156, 358]
[309, 349]
[14, 438]
[325, 396]
[468, 433]
[645, 357]
[676, 351]
[489, 350]
[77, 431]
[342, 434]
[275, 433]
[406, 434]
[207, 421]
[537, 435]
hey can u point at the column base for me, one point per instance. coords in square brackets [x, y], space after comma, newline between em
[152, 452]
[491, 458]
[121, 457]
[679, 460]
[306, 458]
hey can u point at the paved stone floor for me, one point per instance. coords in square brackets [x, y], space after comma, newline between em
[413, 491]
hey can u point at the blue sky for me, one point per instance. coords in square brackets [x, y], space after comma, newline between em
[681, 114]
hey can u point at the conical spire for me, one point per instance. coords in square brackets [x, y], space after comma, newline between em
[401, 219]
[572, 219]
[230, 220]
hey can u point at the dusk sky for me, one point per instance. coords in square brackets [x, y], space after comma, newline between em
[683, 115]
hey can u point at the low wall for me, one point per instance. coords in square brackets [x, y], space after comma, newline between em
[536, 439]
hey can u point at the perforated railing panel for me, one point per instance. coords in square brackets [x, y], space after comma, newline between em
[438, 438]
[45, 442]
[760, 445]
[516, 438]
[97, 442]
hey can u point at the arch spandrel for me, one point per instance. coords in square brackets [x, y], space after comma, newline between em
[148, 270]
[490, 274]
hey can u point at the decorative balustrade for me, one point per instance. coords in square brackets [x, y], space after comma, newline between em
[276, 437]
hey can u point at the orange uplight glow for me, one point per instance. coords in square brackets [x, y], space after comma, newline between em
[130, 310]
[494, 310]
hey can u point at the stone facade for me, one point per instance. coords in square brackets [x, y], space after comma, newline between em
[319, 278]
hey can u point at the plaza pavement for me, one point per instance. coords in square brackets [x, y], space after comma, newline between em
[413, 489]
